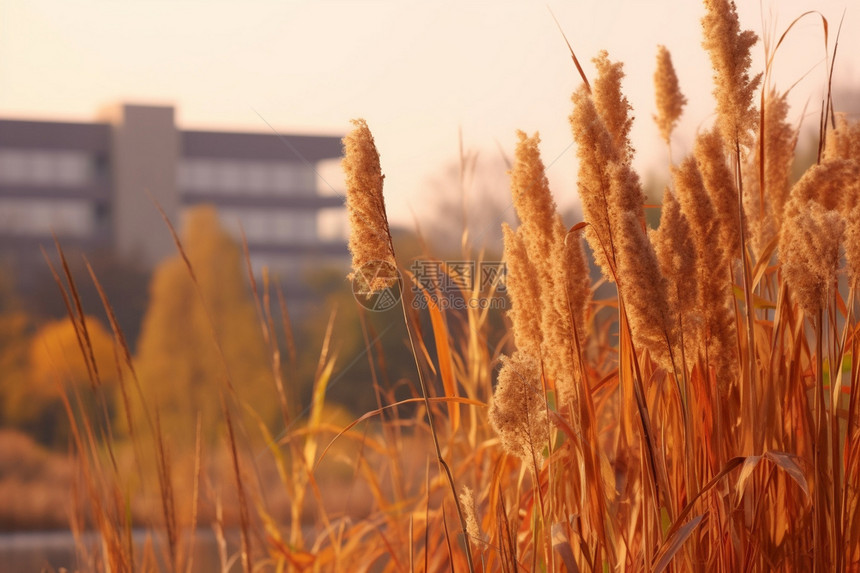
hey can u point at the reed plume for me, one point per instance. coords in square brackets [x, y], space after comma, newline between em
[561, 273]
[764, 205]
[843, 142]
[572, 273]
[612, 105]
[524, 293]
[714, 315]
[518, 411]
[698, 209]
[851, 242]
[676, 252]
[834, 184]
[540, 222]
[719, 182]
[670, 100]
[601, 126]
[595, 152]
[643, 288]
[470, 511]
[729, 49]
[369, 239]
[809, 249]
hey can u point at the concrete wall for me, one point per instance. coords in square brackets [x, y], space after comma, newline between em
[145, 148]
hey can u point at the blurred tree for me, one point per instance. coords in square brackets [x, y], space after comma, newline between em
[15, 332]
[178, 360]
[50, 363]
[16, 328]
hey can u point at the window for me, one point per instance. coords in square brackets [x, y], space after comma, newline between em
[198, 175]
[46, 168]
[270, 227]
[246, 177]
[257, 178]
[13, 167]
[332, 224]
[229, 176]
[294, 179]
[73, 168]
[38, 217]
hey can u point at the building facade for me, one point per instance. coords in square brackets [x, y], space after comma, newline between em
[96, 185]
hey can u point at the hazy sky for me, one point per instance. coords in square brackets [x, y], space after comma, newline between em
[418, 72]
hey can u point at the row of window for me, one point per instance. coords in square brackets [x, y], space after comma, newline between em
[247, 177]
[80, 218]
[61, 169]
[74, 169]
[32, 217]
[271, 227]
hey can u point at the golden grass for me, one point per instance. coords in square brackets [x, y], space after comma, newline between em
[714, 429]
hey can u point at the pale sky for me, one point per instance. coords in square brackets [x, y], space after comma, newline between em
[417, 72]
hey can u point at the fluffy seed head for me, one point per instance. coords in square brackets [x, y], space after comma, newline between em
[572, 273]
[595, 152]
[729, 48]
[833, 184]
[844, 141]
[524, 292]
[764, 207]
[644, 288]
[714, 315]
[851, 241]
[554, 272]
[670, 100]
[720, 185]
[563, 310]
[470, 512]
[696, 206]
[369, 237]
[534, 204]
[809, 250]
[676, 252]
[518, 410]
[612, 104]
[604, 200]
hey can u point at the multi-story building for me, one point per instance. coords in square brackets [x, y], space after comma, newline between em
[95, 185]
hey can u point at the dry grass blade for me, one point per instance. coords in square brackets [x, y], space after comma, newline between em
[675, 542]
[572, 53]
[244, 516]
[785, 462]
[195, 496]
[443, 355]
[561, 545]
[72, 301]
[379, 411]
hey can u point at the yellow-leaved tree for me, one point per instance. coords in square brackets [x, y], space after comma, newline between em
[198, 340]
[56, 366]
